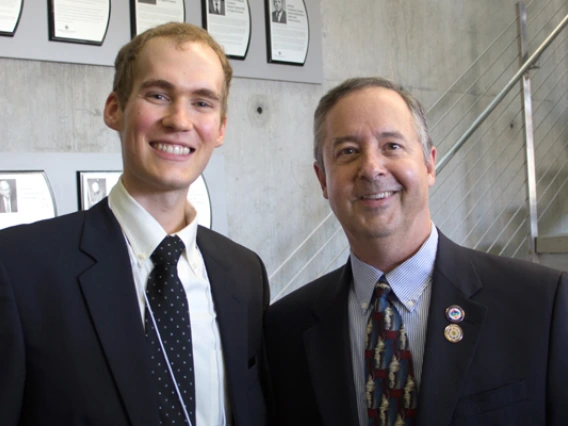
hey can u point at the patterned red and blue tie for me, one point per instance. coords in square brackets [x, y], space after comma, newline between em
[391, 391]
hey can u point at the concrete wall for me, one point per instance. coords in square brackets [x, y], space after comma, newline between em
[273, 199]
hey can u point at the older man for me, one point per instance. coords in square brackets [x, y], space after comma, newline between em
[414, 329]
[130, 313]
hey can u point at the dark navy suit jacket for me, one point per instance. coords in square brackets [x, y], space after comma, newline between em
[72, 348]
[511, 368]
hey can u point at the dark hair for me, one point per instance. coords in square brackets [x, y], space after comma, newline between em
[327, 102]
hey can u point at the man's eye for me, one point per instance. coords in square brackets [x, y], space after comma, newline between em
[347, 151]
[157, 96]
[393, 146]
[202, 104]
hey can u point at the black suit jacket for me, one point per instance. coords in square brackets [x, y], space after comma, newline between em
[72, 346]
[511, 368]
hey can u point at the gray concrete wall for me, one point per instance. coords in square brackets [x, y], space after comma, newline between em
[274, 201]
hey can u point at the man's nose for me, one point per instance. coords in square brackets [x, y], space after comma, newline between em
[179, 118]
[372, 165]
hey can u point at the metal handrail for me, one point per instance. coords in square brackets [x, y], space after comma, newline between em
[499, 97]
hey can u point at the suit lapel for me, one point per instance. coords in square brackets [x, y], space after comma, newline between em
[329, 355]
[109, 291]
[446, 364]
[230, 308]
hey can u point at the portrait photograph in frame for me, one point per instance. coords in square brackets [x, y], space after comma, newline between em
[94, 186]
[287, 31]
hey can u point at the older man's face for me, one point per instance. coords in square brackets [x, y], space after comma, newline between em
[5, 188]
[278, 5]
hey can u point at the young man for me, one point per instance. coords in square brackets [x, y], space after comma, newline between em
[95, 326]
[414, 329]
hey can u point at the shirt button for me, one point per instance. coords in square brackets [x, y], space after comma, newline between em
[411, 303]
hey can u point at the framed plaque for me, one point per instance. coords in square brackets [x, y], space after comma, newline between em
[95, 185]
[150, 13]
[84, 21]
[25, 197]
[229, 23]
[10, 13]
[288, 31]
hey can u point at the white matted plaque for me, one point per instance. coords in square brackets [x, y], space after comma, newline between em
[10, 13]
[288, 31]
[96, 185]
[84, 21]
[25, 197]
[229, 23]
[150, 13]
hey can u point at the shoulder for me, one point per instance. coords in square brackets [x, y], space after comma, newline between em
[223, 247]
[507, 276]
[310, 295]
[42, 231]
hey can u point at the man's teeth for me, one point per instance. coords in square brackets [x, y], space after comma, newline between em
[173, 149]
[378, 196]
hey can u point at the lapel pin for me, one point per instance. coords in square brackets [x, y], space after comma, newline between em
[455, 314]
[453, 333]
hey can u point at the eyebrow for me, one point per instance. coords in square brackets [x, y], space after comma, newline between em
[379, 135]
[166, 85]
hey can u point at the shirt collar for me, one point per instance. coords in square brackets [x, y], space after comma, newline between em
[142, 231]
[408, 280]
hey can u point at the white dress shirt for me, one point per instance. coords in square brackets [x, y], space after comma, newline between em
[411, 285]
[143, 234]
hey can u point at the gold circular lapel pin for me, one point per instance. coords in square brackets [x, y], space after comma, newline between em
[453, 333]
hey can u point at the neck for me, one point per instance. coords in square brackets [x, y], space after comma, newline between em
[168, 208]
[387, 253]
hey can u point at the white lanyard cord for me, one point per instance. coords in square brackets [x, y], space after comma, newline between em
[172, 375]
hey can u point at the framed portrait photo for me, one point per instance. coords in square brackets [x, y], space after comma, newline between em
[288, 31]
[94, 186]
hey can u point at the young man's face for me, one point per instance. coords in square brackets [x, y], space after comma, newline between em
[172, 120]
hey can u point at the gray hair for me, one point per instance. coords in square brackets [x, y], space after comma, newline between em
[354, 84]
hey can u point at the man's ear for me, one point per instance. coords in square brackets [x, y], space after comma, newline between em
[431, 166]
[221, 137]
[320, 173]
[113, 112]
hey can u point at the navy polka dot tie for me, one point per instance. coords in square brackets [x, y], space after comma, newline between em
[169, 304]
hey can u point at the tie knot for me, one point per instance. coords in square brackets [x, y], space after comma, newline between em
[382, 288]
[168, 252]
